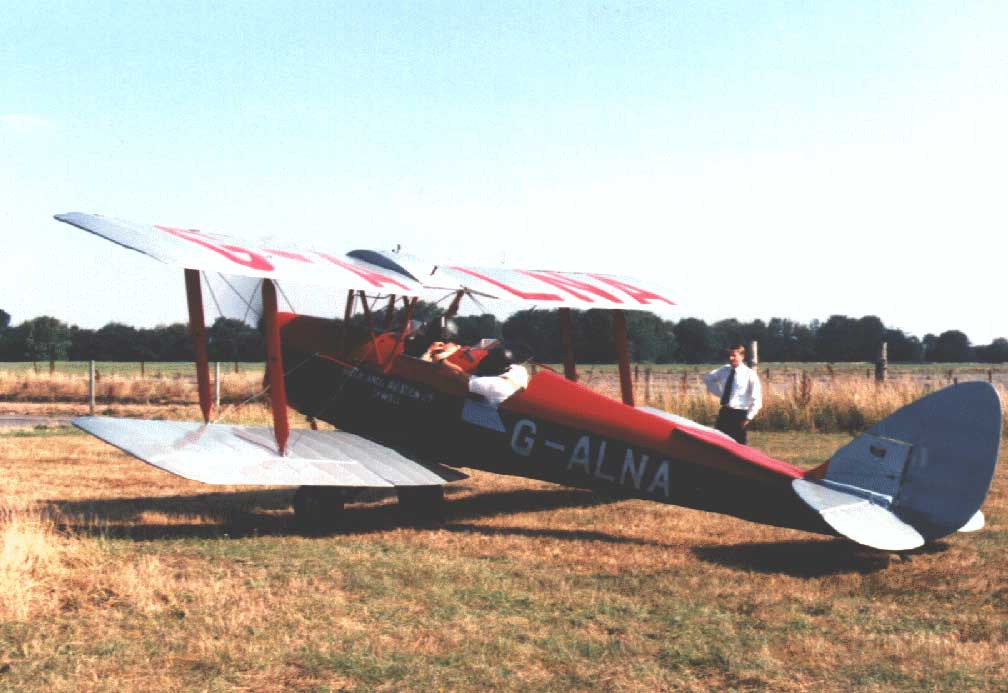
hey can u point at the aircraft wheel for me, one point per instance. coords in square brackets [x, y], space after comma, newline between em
[422, 502]
[318, 509]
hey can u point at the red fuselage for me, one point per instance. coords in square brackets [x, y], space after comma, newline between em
[554, 430]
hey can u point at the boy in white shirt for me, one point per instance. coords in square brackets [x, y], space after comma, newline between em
[738, 386]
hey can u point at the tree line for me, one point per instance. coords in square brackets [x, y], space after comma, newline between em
[650, 339]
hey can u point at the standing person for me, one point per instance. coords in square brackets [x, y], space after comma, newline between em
[738, 386]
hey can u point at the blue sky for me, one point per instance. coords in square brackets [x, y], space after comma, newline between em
[759, 159]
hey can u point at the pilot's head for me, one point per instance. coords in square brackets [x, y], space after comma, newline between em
[501, 357]
[496, 362]
[441, 330]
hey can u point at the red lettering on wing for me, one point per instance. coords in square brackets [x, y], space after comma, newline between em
[513, 291]
[373, 278]
[234, 253]
[642, 296]
[571, 286]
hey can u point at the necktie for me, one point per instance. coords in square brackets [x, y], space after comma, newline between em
[726, 395]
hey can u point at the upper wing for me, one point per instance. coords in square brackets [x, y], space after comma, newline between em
[194, 249]
[373, 271]
[247, 455]
[541, 288]
[551, 289]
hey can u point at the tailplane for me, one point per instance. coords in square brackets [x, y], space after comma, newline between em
[916, 476]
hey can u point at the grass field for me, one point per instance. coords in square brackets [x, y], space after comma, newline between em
[116, 576]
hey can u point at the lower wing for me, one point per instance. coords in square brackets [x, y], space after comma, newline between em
[246, 455]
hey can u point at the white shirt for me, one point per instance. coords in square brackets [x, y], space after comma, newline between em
[746, 393]
[497, 388]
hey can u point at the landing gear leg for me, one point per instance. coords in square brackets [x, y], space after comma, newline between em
[318, 509]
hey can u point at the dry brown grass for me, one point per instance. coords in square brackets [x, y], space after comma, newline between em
[27, 386]
[844, 403]
[118, 576]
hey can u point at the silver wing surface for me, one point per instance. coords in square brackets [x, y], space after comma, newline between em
[373, 271]
[209, 252]
[247, 455]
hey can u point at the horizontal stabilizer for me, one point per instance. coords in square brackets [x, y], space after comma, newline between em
[857, 518]
[975, 523]
[247, 455]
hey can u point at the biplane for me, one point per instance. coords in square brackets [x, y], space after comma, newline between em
[408, 412]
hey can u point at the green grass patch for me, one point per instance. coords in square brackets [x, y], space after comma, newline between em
[42, 431]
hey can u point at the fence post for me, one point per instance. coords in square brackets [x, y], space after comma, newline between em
[882, 363]
[990, 375]
[91, 386]
[216, 383]
[754, 351]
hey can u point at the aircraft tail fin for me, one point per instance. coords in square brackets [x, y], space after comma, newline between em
[916, 476]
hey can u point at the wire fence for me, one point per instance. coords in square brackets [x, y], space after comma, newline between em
[797, 396]
[139, 369]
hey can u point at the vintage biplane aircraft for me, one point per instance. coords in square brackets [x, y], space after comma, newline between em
[407, 416]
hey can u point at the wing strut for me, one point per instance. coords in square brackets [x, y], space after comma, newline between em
[619, 337]
[197, 330]
[274, 365]
[347, 314]
[370, 322]
[453, 308]
[570, 367]
[387, 366]
[390, 311]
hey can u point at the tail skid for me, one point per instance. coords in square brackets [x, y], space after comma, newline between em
[916, 476]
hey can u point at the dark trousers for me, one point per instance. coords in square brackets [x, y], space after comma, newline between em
[730, 421]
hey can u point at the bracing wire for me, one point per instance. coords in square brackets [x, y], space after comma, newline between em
[249, 308]
[284, 296]
[209, 287]
[257, 395]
